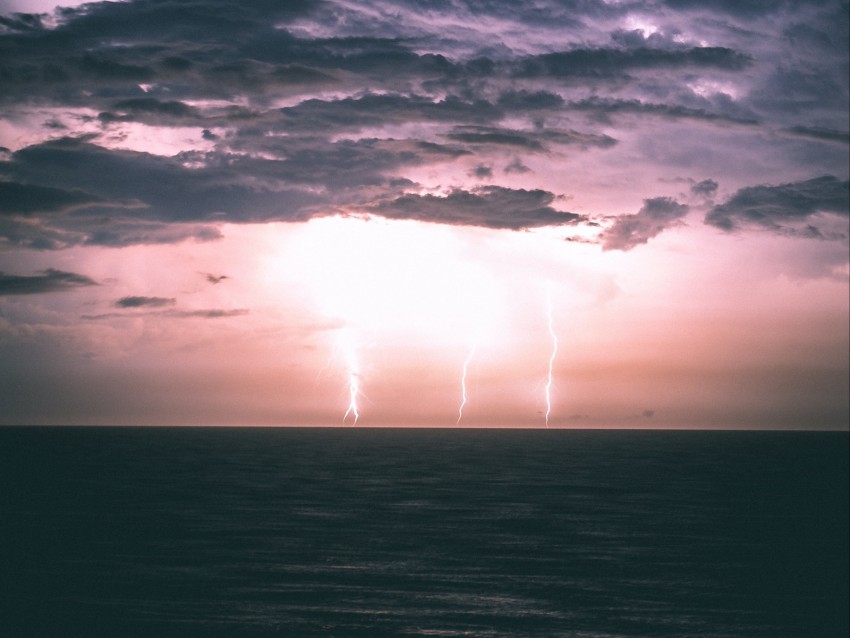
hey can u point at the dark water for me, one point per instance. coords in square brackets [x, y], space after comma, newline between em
[358, 532]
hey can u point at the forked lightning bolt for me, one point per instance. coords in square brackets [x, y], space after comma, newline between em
[554, 338]
[463, 396]
[353, 391]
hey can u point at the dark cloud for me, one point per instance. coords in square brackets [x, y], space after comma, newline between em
[120, 231]
[149, 110]
[51, 280]
[162, 188]
[169, 21]
[516, 166]
[783, 208]
[575, 239]
[638, 39]
[529, 100]
[808, 86]
[22, 22]
[207, 313]
[101, 68]
[98, 230]
[602, 109]
[210, 49]
[25, 199]
[374, 110]
[236, 187]
[533, 141]
[228, 50]
[214, 279]
[610, 63]
[146, 198]
[482, 171]
[145, 302]
[656, 215]
[570, 13]
[210, 313]
[706, 188]
[820, 134]
[799, 90]
[488, 206]
[742, 8]
[500, 137]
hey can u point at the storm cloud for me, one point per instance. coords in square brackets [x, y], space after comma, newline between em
[783, 207]
[157, 122]
[487, 206]
[629, 231]
[145, 302]
[50, 280]
[25, 199]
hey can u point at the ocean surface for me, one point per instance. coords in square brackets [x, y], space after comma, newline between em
[389, 532]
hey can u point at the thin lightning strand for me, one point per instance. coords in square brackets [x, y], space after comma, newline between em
[353, 381]
[551, 356]
[463, 397]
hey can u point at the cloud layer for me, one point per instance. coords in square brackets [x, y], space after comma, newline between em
[151, 121]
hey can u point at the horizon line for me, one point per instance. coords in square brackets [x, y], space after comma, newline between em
[842, 429]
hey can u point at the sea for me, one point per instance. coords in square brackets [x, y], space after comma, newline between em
[362, 532]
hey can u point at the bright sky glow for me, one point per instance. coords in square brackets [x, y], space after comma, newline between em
[434, 291]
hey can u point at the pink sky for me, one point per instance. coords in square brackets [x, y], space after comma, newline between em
[186, 242]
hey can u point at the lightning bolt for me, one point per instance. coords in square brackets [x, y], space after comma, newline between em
[353, 380]
[353, 392]
[463, 396]
[554, 352]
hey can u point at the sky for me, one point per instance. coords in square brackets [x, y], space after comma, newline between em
[482, 213]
